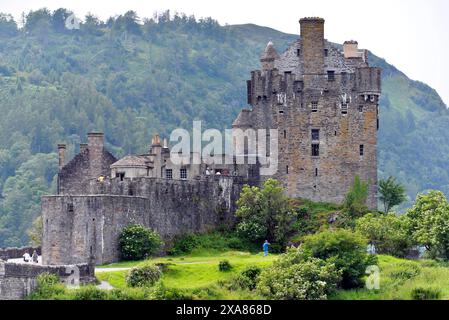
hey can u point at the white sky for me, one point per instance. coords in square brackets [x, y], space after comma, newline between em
[410, 34]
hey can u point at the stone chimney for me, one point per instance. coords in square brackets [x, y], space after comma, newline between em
[350, 49]
[156, 149]
[95, 144]
[83, 147]
[61, 155]
[312, 45]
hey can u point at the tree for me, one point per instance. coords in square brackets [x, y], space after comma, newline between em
[428, 223]
[344, 248]
[8, 27]
[265, 214]
[391, 193]
[138, 242]
[388, 232]
[35, 232]
[355, 201]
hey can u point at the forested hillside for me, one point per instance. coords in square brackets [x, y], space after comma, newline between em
[131, 78]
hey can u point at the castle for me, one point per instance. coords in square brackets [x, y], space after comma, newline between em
[323, 102]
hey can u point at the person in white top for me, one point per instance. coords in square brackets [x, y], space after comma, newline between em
[26, 257]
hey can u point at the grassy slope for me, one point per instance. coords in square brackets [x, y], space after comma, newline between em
[392, 287]
[195, 271]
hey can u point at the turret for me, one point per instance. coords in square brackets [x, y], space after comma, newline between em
[268, 57]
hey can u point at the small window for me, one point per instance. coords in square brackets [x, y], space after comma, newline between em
[286, 169]
[183, 173]
[360, 108]
[344, 108]
[168, 173]
[298, 52]
[314, 106]
[315, 134]
[316, 172]
[331, 76]
[70, 207]
[315, 150]
[362, 149]
[281, 111]
[285, 134]
[326, 52]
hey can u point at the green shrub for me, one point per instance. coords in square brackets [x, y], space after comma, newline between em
[90, 293]
[47, 279]
[405, 271]
[426, 294]
[345, 249]
[248, 278]
[144, 276]
[184, 244]
[288, 279]
[220, 241]
[161, 292]
[48, 286]
[224, 266]
[127, 294]
[138, 242]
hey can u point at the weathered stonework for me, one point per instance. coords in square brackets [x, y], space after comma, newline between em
[86, 228]
[17, 280]
[313, 87]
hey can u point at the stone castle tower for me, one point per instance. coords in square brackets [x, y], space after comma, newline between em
[324, 103]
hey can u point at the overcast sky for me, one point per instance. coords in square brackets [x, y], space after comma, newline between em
[410, 34]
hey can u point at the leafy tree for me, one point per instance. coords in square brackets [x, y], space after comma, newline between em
[391, 193]
[428, 223]
[144, 276]
[388, 232]
[294, 278]
[355, 201]
[35, 232]
[344, 248]
[265, 213]
[8, 27]
[138, 242]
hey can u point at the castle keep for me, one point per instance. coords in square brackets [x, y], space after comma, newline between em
[324, 103]
[322, 99]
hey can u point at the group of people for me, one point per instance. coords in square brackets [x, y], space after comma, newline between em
[31, 258]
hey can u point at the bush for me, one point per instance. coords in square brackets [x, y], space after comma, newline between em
[248, 278]
[145, 276]
[426, 294]
[138, 242]
[220, 241]
[161, 292]
[405, 271]
[90, 293]
[48, 286]
[345, 249]
[224, 266]
[288, 279]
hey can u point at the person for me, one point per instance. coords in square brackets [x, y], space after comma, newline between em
[265, 248]
[35, 257]
[26, 257]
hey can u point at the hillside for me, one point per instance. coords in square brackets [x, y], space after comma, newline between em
[131, 80]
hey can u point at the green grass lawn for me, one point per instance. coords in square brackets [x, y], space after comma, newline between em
[195, 271]
[398, 277]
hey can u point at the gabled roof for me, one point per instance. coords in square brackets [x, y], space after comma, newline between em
[270, 52]
[132, 161]
[243, 119]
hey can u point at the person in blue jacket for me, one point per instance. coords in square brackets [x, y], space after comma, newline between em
[265, 248]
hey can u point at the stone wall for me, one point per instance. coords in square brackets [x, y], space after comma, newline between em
[79, 229]
[17, 280]
[15, 253]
